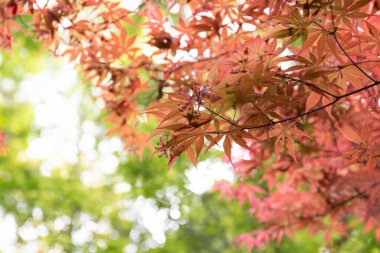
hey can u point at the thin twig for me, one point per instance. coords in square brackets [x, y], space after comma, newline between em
[296, 116]
[198, 61]
[308, 84]
[353, 63]
[259, 109]
[221, 116]
[343, 202]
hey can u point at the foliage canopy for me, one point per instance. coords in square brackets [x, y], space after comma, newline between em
[293, 83]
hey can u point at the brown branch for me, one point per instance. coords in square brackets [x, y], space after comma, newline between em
[107, 23]
[259, 109]
[329, 210]
[298, 115]
[341, 66]
[221, 116]
[308, 84]
[361, 62]
[198, 61]
[343, 202]
[179, 65]
[353, 63]
[320, 26]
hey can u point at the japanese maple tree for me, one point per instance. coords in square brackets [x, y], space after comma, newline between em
[293, 83]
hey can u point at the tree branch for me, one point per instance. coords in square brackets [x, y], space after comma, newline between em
[343, 202]
[198, 61]
[308, 84]
[337, 98]
[353, 63]
[222, 117]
